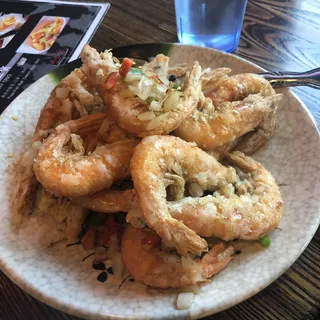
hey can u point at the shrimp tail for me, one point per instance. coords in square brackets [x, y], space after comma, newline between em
[212, 264]
[95, 66]
[185, 239]
[246, 164]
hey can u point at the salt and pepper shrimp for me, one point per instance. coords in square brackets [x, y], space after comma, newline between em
[257, 138]
[108, 132]
[64, 172]
[71, 99]
[96, 129]
[145, 102]
[97, 67]
[181, 193]
[248, 120]
[238, 87]
[249, 210]
[213, 78]
[211, 128]
[157, 156]
[148, 264]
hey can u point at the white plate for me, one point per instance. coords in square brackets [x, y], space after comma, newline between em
[57, 276]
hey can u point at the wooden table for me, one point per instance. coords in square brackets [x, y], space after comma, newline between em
[277, 35]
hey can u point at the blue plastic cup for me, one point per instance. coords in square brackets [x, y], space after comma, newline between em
[210, 23]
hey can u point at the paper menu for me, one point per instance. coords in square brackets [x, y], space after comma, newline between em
[37, 36]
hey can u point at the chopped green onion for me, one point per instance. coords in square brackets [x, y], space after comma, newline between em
[265, 241]
[135, 71]
[176, 85]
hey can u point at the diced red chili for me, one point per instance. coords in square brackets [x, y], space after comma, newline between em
[125, 66]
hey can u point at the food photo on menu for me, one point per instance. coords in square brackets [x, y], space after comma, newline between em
[9, 25]
[10, 22]
[43, 36]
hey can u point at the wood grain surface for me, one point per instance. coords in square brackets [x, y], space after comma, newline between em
[277, 35]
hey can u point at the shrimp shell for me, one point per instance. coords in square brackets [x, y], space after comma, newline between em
[108, 201]
[256, 139]
[238, 87]
[248, 209]
[253, 210]
[71, 99]
[126, 107]
[71, 173]
[154, 267]
[215, 128]
[153, 158]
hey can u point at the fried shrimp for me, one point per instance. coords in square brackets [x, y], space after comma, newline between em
[245, 123]
[142, 101]
[213, 78]
[251, 207]
[211, 128]
[257, 138]
[108, 201]
[66, 172]
[108, 132]
[238, 87]
[156, 157]
[148, 264]
[71, 99]
[246, 209]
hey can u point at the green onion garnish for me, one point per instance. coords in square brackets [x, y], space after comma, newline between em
[265, 241]
[175, 85]
[135, 71]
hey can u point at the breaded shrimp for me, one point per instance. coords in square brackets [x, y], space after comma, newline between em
[71, 99]
[247, 209]
[148, 264]
[252, 208]
[149, 105]
[153, 159]
[211, 128]
[64, 172]
[238, 87]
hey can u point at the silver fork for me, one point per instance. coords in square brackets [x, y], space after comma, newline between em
[278, 79]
